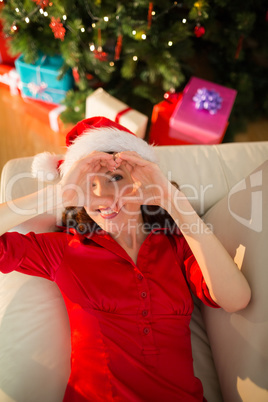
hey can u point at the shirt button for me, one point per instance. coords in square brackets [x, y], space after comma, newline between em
[144, 313]
[143, 294]
[140, 277]
[146, 330]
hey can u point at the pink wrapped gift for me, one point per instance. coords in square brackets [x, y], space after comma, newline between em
[201, 117]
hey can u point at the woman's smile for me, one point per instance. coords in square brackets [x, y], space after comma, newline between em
[108, 213]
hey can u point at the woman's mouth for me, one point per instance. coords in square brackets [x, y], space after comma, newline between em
[108, 213]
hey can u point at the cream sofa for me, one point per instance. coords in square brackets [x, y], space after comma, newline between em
[230, 350]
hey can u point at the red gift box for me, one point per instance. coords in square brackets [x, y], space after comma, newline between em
[48, 113]
[201, 116]
[159, 130]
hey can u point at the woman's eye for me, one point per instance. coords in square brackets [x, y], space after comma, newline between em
[116, 177]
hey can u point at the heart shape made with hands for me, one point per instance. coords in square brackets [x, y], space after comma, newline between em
[149, 185]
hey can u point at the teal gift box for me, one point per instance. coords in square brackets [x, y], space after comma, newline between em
[40, 80]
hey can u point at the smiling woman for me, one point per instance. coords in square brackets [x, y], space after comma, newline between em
[125, 277]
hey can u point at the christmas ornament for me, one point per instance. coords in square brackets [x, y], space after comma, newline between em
[76, 74]
[239, 47]
[207, 99]
[57, 28]
[100, 55]
[41, 3]
[199, 31]
[140, 35]
[150, 16]
[118, 47]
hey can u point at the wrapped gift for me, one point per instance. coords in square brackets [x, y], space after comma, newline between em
[9, 78]
[48, 113]
[5, 56]
[40, 80]
[201, 116]
[159, 129]
[100, 103]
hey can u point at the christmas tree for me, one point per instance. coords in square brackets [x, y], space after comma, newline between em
[138, 50]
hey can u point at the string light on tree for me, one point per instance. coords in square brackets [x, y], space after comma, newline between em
[14, 28]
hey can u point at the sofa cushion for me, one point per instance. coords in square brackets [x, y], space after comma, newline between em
[34, 340]
[239, 341]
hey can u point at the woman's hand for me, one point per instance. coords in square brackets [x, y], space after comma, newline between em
[150, 187]
[75, 186]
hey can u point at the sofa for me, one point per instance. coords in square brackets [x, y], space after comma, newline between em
[227, 185]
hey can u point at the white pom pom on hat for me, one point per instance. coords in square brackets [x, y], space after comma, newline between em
[94, 134]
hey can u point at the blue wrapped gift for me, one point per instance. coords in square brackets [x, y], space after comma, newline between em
[40, 80]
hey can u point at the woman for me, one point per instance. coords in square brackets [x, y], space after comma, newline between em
[125, 284]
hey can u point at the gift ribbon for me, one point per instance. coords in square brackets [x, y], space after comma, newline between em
[12, 80]
[209, 100]
[171, 97]
[121, 113]
[53, 117]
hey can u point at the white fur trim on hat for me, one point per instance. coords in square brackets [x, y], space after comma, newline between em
[105, 139]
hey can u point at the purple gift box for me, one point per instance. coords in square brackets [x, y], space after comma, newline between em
[201, 117]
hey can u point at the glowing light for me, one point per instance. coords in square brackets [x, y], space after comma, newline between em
[17, 10]
[170, 43]
[111, 63]
[92, 47]
[64, 17]
[82, 29]
[134, 32]
[14, 28]
[106, 19]
[41, 11]
[143, 36]
[153, 12]
[135, 58]
[184, 20]
[27, 20]
[93, 25]
[45, 13]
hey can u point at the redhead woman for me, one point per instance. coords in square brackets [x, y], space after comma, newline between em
[126, 263]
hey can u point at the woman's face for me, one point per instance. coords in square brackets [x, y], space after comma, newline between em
[111, 207]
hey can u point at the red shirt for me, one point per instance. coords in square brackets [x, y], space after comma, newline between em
[129, 322]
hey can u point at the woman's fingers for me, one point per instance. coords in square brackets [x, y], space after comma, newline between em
[132, 157]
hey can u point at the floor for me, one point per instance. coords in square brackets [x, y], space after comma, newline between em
[25, 135]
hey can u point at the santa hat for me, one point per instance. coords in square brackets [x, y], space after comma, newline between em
[94, 134]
